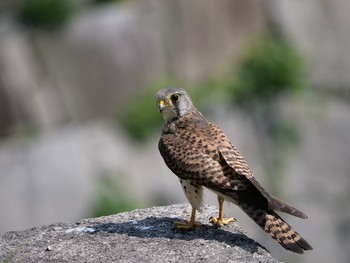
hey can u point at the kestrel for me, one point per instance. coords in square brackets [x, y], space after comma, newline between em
[201, 155]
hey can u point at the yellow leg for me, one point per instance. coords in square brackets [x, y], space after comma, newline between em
[220, 221]
[188, 225]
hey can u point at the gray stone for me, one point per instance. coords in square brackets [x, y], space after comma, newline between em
[146, 235]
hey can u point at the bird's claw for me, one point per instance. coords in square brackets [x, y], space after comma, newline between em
[220, 222]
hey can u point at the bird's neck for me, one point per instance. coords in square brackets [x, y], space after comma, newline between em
[192, 119]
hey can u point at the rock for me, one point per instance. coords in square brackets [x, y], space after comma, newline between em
[145, 235]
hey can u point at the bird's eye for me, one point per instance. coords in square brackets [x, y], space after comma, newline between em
[174, 97]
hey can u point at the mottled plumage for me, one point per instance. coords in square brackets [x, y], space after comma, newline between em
[201, 155]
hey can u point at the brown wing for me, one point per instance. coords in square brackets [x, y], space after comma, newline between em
[234, 159]
[188, 161]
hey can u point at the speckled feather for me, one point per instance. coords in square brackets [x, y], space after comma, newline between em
[197, 150]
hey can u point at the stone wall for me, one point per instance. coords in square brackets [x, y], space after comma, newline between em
[106, 55]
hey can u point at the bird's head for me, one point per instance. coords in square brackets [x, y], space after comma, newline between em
[173, 103]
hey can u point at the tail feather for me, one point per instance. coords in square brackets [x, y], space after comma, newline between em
[279, 230]
[282, 206]
[275, 203]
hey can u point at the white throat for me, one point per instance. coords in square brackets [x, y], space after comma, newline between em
[168, 114]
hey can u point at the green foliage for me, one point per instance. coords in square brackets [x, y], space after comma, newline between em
[111, 198]
[140, 117]
[44, 13]
[270, 66]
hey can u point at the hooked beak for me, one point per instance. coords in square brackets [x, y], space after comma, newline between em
[163, 105]
[167, 110]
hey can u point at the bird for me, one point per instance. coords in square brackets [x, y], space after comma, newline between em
[202, 156]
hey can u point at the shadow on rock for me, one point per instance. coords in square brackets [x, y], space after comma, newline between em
[154, 227]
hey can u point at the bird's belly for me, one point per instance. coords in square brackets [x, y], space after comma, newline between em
[193, 192]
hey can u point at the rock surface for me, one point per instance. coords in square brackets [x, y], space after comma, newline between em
[146, 235]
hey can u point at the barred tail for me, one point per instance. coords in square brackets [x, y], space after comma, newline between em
[279, 230]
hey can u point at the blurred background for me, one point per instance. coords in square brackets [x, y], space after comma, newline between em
[79, 125]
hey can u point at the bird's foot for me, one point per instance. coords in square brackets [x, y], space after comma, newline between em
[187, 225]
[220, 221]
